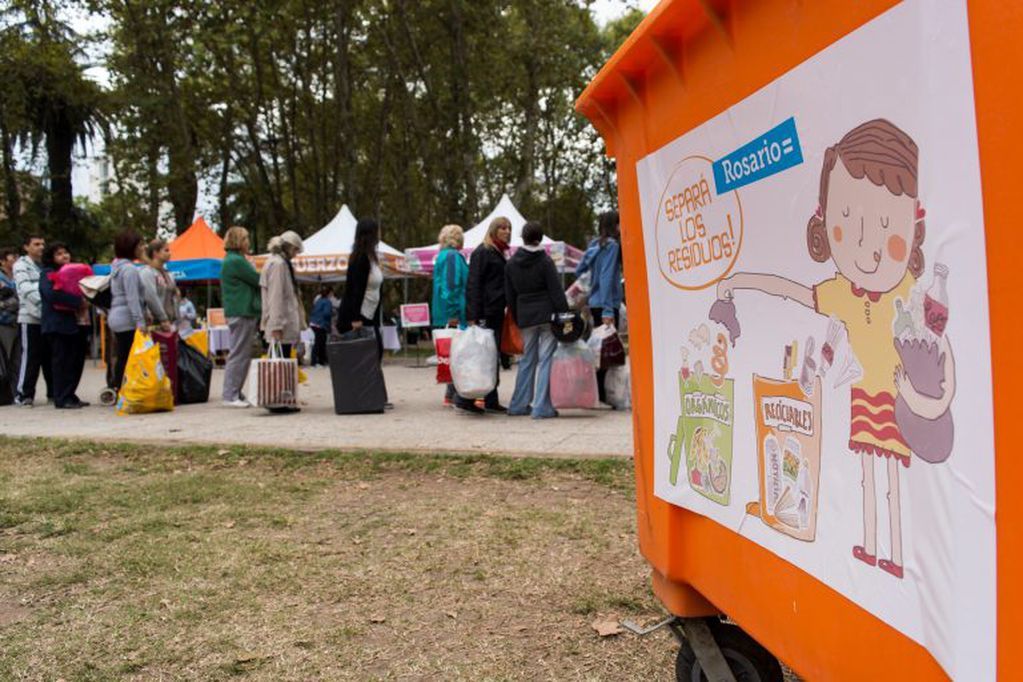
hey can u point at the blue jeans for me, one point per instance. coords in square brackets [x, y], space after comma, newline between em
[538, 346]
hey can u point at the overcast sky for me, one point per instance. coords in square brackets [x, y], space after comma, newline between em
[605, 10]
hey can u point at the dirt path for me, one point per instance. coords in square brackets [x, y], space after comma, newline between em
[418, 422]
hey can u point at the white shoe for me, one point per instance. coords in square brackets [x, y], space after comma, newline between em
[235, 403]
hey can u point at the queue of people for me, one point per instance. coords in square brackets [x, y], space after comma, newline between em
[494, 290]
[49, 327]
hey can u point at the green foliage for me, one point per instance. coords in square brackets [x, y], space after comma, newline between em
[418, 112]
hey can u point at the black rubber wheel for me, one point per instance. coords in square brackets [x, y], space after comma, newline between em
[748, 661]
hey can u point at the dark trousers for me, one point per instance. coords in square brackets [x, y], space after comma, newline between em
[319, 347]
[35, 355]
[124, 341]
[598, 314]
[495, 322]
[67, 359]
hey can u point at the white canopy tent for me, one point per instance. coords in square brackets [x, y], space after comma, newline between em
[565, 256]
[337, 237]
[324, 256]
[505, 207]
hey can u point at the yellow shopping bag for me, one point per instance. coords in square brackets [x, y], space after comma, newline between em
[302, 376]
[146, 387]
[199, 340]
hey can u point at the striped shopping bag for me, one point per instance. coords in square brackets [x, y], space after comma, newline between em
[273, 380]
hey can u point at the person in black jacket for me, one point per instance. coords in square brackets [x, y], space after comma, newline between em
[60, 311]
[485, 301]
[534, 294]
[360, 304]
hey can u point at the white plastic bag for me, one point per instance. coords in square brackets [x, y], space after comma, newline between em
[597, 340]
[474, 362]
[578, 293]
[618, 386]
[573, 378]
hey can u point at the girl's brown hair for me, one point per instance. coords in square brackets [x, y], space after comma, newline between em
[881, 152]
[154, 247]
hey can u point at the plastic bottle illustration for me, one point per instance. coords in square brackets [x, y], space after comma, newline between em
[936, 301]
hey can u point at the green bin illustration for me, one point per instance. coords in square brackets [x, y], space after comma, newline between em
[704, 435]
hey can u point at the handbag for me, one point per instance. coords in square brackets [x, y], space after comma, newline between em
[275, 379]
[511, 335]
[568, 327]
[612, 351]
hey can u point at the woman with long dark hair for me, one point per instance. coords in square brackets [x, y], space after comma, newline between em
[361, 301]
[360, 304]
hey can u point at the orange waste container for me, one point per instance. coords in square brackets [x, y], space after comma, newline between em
[818, 226]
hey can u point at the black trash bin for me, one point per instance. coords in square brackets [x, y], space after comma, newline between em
[355, 373]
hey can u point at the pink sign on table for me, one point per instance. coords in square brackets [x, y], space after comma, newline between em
[415, 315]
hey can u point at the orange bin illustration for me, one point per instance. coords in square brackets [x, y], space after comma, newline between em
[818, 208]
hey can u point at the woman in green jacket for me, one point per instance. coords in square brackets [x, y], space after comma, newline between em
[450, 274]
[239, 283]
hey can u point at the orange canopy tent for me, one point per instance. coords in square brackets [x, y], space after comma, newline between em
[197, 242]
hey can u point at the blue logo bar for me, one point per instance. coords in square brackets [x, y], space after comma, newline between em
[770, 153]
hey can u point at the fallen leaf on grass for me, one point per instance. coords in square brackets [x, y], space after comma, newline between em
[7, 558]
[229, 524]
[377, 619]
[410, 531]
[250, 656]
[363, 486]
[606, 628]
[451, 614]
[221, 453]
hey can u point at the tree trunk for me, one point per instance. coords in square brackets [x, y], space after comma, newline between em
[460, 93]
[60, 143]
[12, 205]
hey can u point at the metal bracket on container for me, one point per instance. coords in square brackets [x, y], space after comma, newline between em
[642, 631]
[707, 651]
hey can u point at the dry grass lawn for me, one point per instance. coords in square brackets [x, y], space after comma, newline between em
[129, 562]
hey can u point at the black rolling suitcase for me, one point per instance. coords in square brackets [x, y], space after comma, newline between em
[355, 373]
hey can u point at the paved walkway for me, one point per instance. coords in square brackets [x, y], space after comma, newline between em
[418, 422]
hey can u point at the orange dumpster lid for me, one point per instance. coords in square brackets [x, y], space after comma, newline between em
[198, 241]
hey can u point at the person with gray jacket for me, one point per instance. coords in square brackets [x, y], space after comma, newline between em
[161, 292]
[127, 313]
[34, 351]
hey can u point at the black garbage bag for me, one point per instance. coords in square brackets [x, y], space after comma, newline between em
[194, 373]
[355, 373]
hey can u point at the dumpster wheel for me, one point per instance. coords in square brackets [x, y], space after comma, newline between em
[747, 660]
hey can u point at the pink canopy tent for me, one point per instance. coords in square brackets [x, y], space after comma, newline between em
[565, 256]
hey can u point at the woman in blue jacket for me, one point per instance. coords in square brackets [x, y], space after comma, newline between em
[450, 274]
[603, 260]
[60, 330]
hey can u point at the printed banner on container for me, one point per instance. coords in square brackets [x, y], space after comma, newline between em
[818, 297]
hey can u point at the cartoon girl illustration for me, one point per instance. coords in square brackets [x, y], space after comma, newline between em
[870, 224]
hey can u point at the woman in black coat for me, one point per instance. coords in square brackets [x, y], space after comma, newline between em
[534, 294]
[360, 304]
[485, 301]
[60, 313]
